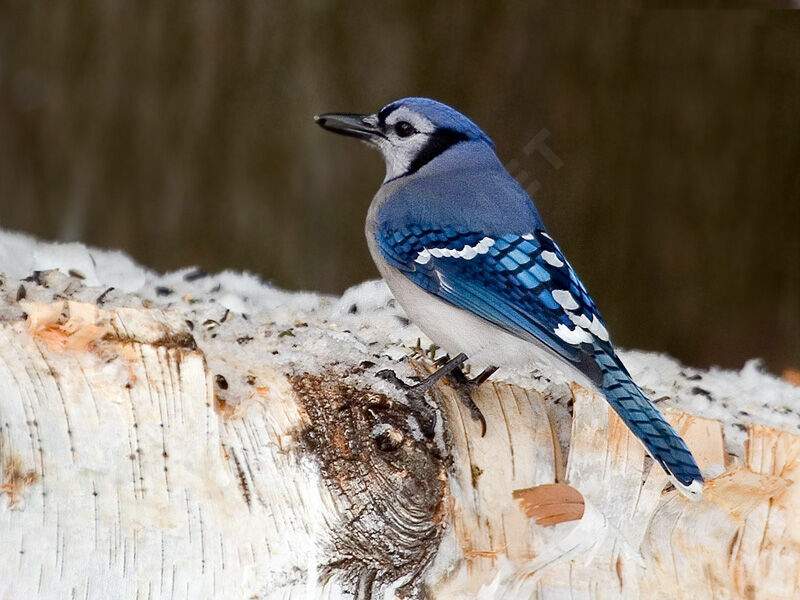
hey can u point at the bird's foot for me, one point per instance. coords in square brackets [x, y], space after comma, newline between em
[465, 387]
[426, 415]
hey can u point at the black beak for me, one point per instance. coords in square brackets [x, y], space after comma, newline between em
[363, 127]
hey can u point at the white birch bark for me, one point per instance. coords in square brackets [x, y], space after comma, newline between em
[130, 470]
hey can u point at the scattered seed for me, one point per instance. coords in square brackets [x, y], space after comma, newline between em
[102, 297]
[195, 275]
[35, 277]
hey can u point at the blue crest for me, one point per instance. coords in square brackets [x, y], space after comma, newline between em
[440, 114]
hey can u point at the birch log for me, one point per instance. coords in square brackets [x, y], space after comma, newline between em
[131, 469]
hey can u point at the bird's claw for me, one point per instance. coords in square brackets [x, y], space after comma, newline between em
[426, 415]
[465, 387]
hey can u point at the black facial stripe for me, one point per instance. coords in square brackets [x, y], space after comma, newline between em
[384, 114]
[439, 141]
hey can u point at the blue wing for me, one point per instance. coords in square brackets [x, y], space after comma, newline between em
[520, 282]
[523, 284]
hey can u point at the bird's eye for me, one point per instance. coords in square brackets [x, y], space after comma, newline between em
[404, 129]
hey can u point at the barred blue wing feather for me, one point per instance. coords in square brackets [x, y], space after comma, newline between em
[519, 282]
[522, 283]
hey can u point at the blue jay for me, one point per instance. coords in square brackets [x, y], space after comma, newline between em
[464, 251]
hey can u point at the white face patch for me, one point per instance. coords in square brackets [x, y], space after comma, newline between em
[399, 152]
[420, 123]
[467, 252]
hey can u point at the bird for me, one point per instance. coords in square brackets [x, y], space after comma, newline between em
[465, 252]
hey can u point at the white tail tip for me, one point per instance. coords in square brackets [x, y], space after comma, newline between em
[693, 491]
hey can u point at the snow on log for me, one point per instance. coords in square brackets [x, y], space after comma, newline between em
[196, 436]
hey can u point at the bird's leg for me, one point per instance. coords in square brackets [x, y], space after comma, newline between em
[416, 393]
[474, 383]
[465, 387]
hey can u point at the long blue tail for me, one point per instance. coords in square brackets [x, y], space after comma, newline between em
[660, 440]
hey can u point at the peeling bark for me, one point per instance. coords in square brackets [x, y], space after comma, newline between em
[389, 484]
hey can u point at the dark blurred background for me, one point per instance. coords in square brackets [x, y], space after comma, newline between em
[182, 133]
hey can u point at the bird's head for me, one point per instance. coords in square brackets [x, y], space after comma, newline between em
[410, 132]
